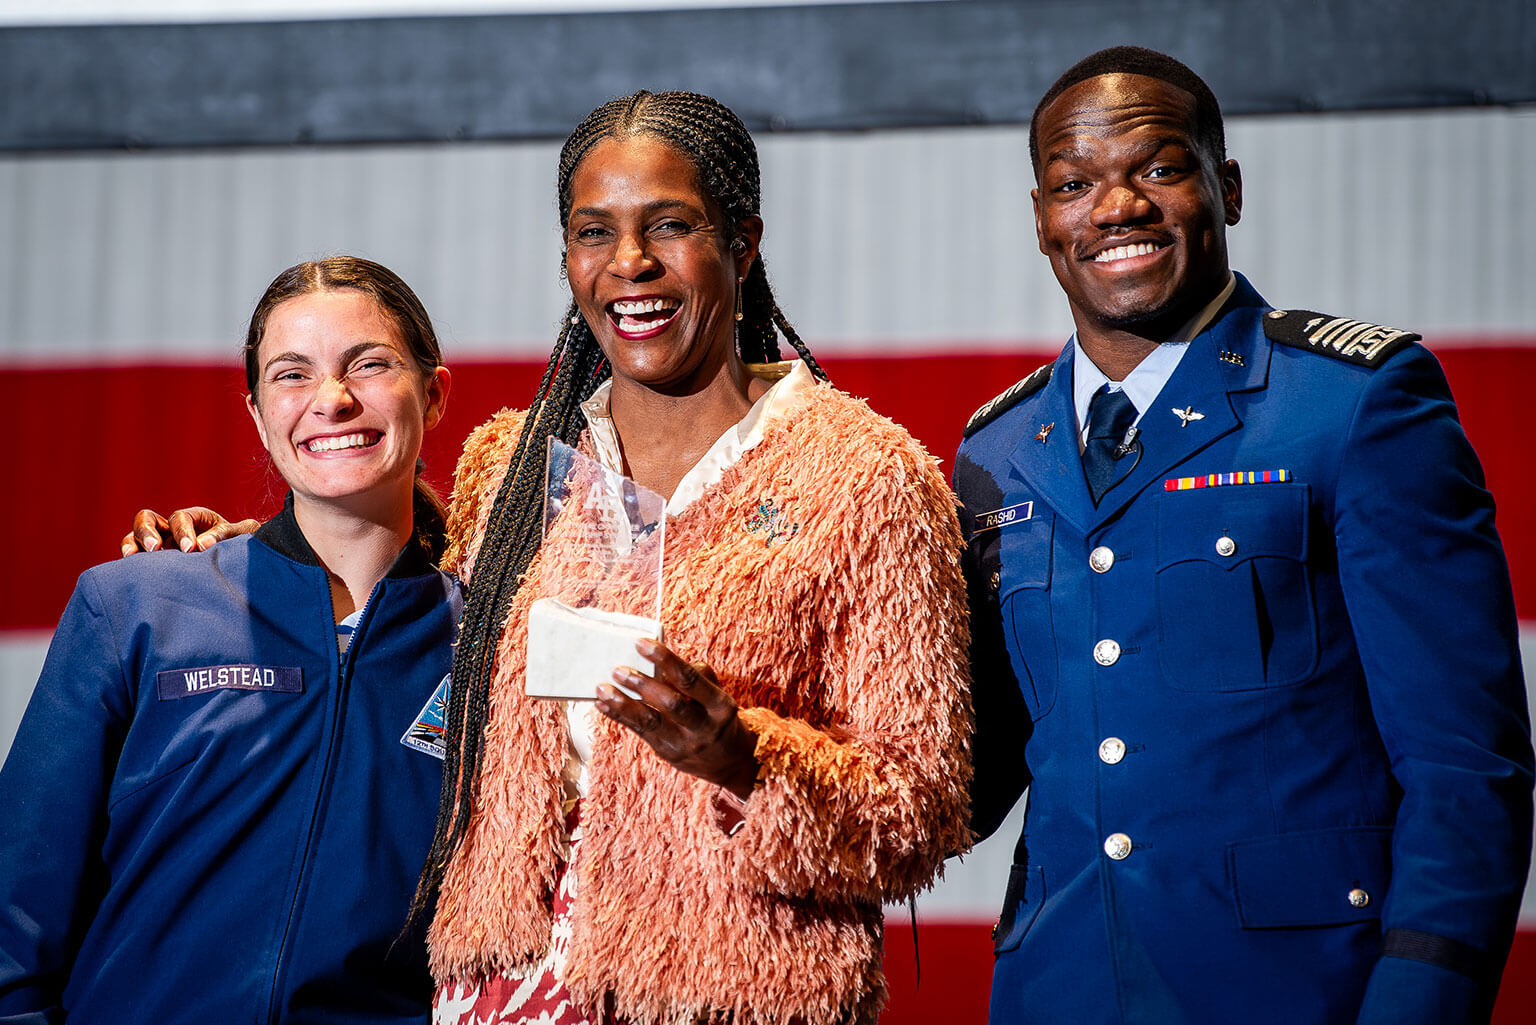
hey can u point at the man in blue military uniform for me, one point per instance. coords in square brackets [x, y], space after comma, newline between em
[1235, 577]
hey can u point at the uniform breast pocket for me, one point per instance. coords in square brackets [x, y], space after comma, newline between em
[1234, 593]
[1025, 601]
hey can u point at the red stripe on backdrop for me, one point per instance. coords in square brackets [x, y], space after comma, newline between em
[957, 975]
[92, 445]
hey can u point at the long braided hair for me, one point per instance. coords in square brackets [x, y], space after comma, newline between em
[724, 158]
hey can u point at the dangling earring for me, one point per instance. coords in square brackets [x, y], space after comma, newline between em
[738, 315]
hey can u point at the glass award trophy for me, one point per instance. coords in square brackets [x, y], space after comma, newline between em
[600, 574]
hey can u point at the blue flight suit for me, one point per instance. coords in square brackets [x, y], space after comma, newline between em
[208, 817]
[1275, 734]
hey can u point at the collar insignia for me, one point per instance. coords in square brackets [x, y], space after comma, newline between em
[1187, 415]
[1045, 432]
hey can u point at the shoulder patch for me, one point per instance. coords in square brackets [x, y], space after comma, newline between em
[428, 733]
[1353, 341]
[996, 407]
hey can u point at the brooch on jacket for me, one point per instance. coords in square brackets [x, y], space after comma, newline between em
[768, 519]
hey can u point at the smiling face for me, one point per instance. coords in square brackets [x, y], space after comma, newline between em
[340, 404]
[1130, 211]
[651, 267]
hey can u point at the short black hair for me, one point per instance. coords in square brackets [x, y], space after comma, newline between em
[1210, 135]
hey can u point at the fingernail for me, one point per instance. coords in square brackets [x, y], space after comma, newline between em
[623, 674]
[187, 544]
[152, 544]
[646, 646]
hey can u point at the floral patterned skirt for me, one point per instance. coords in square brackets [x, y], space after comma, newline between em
[537, 996]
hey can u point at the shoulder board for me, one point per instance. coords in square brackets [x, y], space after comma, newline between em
[1353, 341]
[995, 408]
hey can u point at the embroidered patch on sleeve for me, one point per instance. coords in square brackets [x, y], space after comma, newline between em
[428, 733]
[186, 683]
[1216, 480]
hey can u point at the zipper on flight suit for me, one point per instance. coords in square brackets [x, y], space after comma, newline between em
[344, 664]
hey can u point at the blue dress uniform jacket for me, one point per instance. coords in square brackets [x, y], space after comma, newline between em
[174, 849]
[1278, 754]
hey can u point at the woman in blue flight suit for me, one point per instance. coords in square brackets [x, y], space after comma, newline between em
[224, 785]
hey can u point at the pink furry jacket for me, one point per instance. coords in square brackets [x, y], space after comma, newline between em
[820, 579]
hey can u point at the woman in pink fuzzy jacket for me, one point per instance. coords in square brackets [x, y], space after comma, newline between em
[719, 849]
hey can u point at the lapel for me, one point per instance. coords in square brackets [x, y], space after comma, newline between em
[1203, 383]
[1053, 469]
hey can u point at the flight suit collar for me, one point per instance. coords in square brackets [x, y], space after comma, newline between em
[282, 534]
[1230, 355]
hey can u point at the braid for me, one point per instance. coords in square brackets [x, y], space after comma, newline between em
[724, 157]
[512, 535]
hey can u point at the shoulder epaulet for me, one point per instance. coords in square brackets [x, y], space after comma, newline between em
[1354, 341]
[996, 407]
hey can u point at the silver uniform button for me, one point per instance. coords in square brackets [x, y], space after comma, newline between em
[1275, 314]
[1111, 751]
[1100, 559]
[1225, 546]
[1358, 898]
[1117, 846]
[1106, 652]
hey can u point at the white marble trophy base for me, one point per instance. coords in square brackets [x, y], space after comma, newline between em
[571, 651]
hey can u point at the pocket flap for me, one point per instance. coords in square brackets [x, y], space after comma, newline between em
[1327, 877]
[1026, 551]
[1228, 526]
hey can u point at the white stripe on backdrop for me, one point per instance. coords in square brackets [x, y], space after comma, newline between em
[880, 242]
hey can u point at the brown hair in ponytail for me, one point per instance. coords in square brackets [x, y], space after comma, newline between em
[400, 304]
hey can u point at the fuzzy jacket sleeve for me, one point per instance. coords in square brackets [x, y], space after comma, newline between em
[868, 806]
[478, 477]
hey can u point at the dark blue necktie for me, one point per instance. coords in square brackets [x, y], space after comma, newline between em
[1110, 414]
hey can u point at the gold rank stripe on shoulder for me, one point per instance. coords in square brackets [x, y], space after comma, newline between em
[996, 407]
[1354, 341]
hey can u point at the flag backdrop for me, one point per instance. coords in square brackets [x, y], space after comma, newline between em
[906, 258]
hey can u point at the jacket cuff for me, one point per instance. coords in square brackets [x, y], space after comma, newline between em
[1405, 991]
[730, 811]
